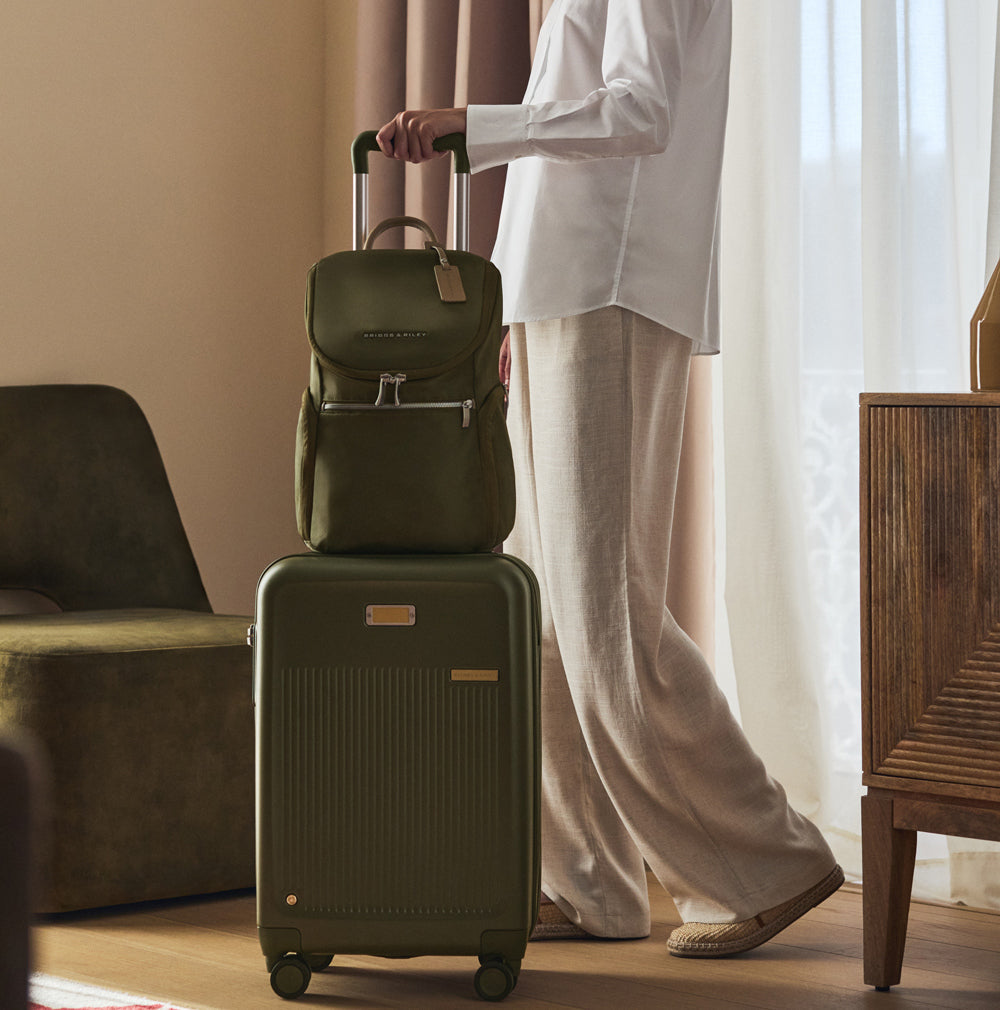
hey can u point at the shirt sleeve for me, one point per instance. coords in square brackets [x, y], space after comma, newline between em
[642, 58]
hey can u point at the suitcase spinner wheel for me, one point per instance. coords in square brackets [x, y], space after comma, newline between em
[290, 977]
[291, 974]
[495, 980]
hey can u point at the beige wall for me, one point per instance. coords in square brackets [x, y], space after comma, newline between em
[163, 190]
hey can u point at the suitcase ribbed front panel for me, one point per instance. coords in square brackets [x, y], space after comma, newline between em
[387, 792]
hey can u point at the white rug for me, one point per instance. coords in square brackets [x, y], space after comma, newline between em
[49, 993]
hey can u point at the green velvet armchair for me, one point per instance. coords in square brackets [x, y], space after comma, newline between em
[138, 695]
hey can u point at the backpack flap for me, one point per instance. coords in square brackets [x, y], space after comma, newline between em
[379, 310]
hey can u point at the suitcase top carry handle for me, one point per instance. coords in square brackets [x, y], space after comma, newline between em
[365, 143]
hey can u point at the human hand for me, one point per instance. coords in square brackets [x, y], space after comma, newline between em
[505, 361]
[410, 136]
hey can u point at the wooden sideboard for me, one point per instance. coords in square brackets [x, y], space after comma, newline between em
[930, 642]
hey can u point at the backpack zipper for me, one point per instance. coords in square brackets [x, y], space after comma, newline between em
[388, 379]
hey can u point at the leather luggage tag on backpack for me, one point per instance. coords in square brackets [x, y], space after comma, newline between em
[449, 281]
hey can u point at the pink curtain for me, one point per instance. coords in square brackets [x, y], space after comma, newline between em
[420, 54]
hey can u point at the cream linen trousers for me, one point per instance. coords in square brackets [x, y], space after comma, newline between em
[641, 756]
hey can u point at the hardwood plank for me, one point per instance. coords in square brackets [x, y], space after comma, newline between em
[971, 935]
[204, 954]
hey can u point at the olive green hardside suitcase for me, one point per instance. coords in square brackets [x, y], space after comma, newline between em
[397, 721]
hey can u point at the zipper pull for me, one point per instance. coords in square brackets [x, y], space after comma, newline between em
[384, 378]
[467, 406]
[388, 379]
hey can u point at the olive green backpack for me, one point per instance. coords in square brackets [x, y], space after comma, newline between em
[402, 444]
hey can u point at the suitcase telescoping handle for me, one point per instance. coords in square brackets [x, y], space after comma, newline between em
[365, 143]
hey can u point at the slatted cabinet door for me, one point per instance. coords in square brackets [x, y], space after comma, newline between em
[930, 615]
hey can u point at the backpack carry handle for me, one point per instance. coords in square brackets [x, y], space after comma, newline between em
[401, 222]
[365, 143]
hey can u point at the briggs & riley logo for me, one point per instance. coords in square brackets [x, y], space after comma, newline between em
[394, 334]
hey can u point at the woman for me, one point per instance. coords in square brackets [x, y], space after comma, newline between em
[608, 248]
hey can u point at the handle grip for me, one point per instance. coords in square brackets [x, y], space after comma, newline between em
[365, 143]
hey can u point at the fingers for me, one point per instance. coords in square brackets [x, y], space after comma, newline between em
[385, 139]
[410, 136]
[505, 361]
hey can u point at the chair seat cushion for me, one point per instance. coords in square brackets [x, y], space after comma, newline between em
[102, 631]
[146, 719]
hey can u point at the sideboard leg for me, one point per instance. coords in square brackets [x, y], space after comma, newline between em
[888, 856]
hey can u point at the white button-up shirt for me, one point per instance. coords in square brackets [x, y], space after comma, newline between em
[612, 193]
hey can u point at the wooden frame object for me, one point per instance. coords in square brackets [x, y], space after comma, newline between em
[930, 616]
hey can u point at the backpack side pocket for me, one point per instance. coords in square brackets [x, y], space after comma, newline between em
[498, 468]
[305, 467]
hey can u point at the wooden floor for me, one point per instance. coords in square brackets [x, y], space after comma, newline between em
[203, 954]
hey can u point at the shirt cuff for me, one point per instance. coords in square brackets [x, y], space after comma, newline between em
[495, 135]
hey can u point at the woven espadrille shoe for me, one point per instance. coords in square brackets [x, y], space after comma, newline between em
[553, 925]
[721, 939]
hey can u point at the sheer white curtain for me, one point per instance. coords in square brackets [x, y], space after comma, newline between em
[856, 190]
